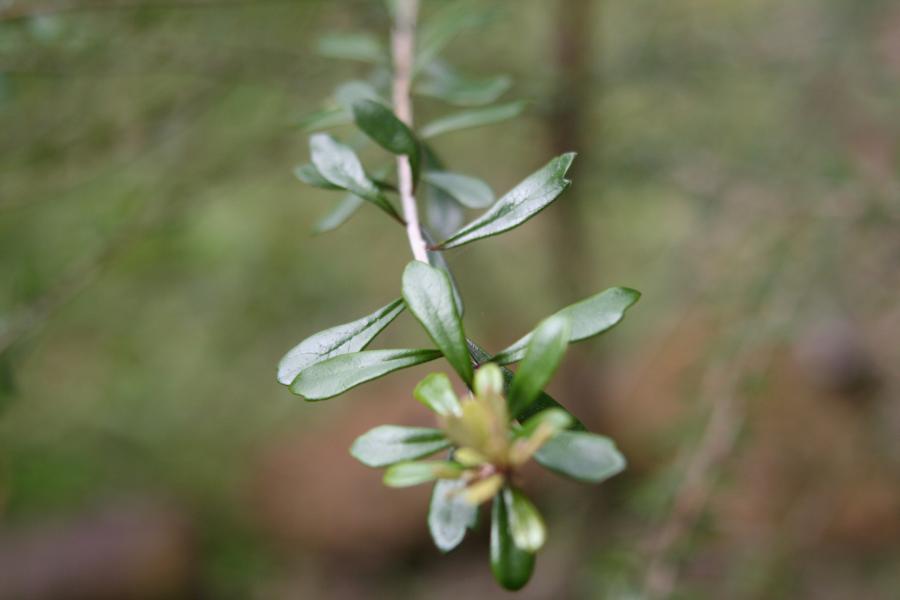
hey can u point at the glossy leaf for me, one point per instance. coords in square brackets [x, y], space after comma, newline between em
[542, 357]
[429, 296]
[436, 392]
[518, 205]
[449, 515]
[526, 526]
[381, 124]
[406, 474]
[341, 339]
[340, 214]
[512, 567]
[583, 456]
[352, 46]
[389, 444]
[589, 317]
[476, 117]
[339, 165]
[468, 191]
[338, 374]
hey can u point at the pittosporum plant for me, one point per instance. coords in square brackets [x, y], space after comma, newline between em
[504, 419]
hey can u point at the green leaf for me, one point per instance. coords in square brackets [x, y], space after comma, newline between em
[389, 444]
[339, 165]
[449, 515]
[468, 119]
[429, 296]
[338, 374]
[444, 213]
[406, 474]
[583, 456]
[438, 260]
[468, 191]
[437, 32]
[512, 567]
[556, 419]
[518, 205]
[445, 84]
[352, 46]
[382, 125]
[341, 339]
[350, 92]
[525, 523]
[544, 353]
[543, 402]
[436, 392]
[325, 118]
[589, 317]
[338, 215]
[310, 175]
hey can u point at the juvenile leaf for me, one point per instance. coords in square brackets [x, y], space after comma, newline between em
[589, 317]
[338, 215]
[389, 444]
[436, 392]
[429, 296]
[554, 419]
[379, 123]
[542, 357]
[525, 523]
[341, 339]
[352, 46]
[339, 165]
[518, 205]
[583, 456]
[340, 373]
[543, 402]
[406, 474]
[449, 515]
[468, 191]
[512, 567]
[476, 117]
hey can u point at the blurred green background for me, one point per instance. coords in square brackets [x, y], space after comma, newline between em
[738, 164]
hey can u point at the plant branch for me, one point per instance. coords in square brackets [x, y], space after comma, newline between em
[403, 44]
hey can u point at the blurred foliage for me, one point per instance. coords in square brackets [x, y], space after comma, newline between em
[739, 167]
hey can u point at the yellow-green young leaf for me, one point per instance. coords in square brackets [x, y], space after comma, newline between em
[518, 205]
[341, 339]
[429, 296]
[580, 455]
[449, 515]
[589, 317]
[468, 191]
[338, 215]
[406, 474]
[389, 444]
[476, 117]
[436, 392]
[339, 165]
[379, 123]
[554, 419]
[488, 381]
[338, 374]
[512, 567]
[352, 46]
[525, 523]
[542, 357]
[543, 402]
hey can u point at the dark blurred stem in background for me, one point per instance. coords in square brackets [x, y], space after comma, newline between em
[565, 126]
